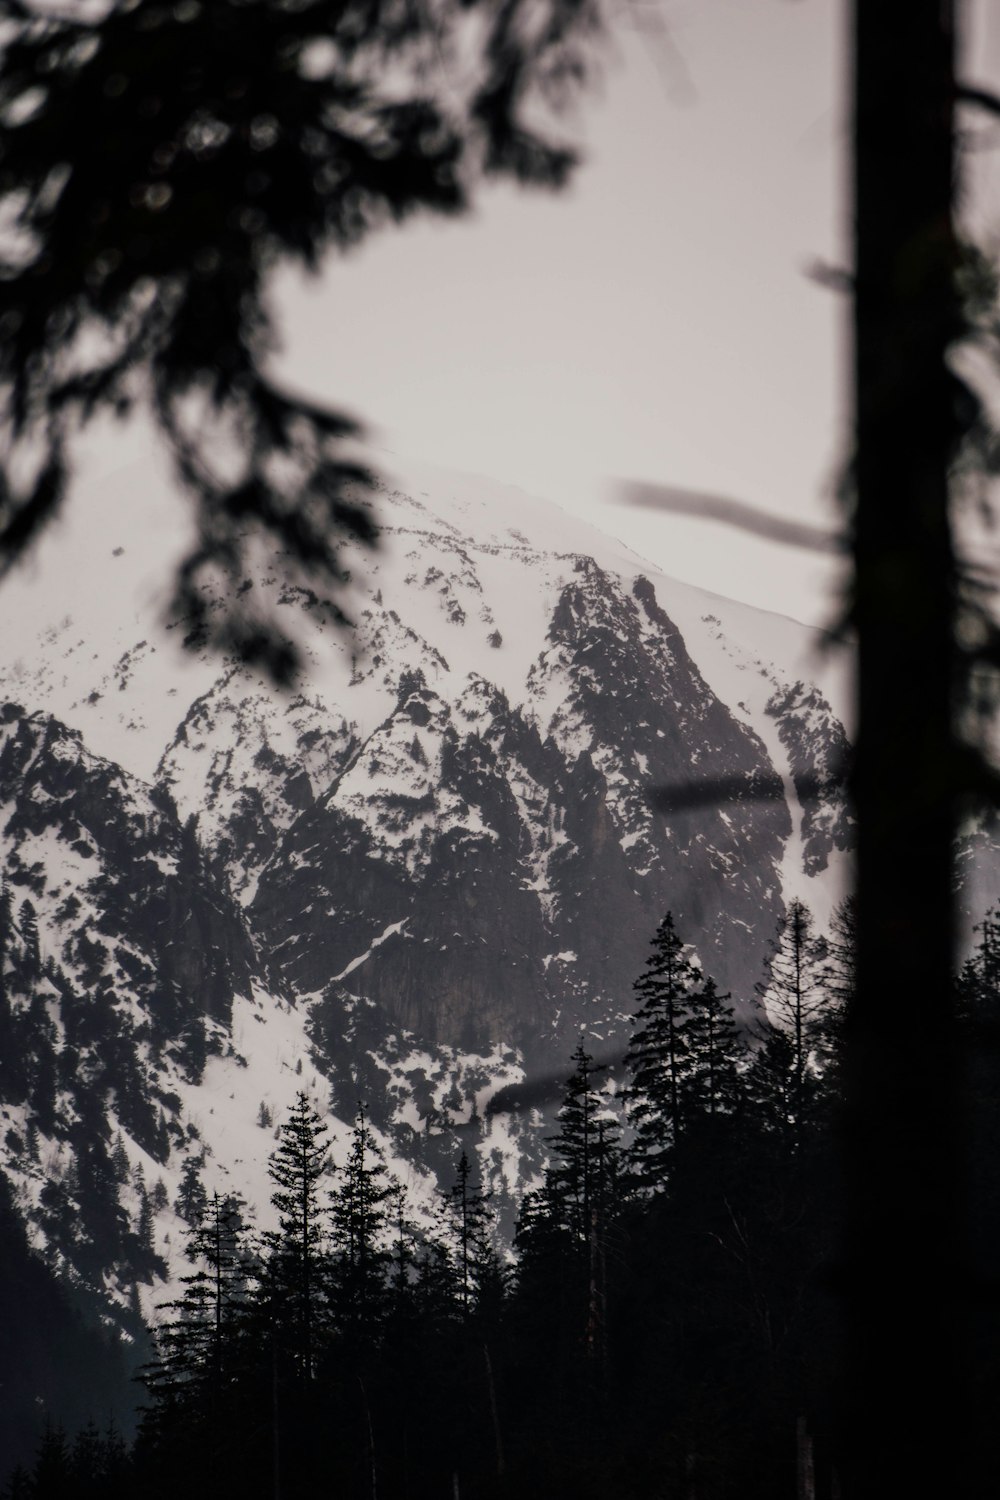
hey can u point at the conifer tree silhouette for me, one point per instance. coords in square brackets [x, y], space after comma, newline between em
[657, 1056]
[295, 1281]
[796, 998]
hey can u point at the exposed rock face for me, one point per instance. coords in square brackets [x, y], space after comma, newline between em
[126, 907]
[120, 960]
[246, 772]
[485, 882]
[818, 756]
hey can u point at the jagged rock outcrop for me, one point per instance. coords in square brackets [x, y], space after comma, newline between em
[491, 874]
[818, 752]
[125, 903]
[246, 763]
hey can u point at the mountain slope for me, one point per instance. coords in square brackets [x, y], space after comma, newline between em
[411, 882]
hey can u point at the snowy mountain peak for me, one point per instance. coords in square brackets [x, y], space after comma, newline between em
[413, 881]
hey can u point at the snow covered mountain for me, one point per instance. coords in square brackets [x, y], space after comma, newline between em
[411, 882]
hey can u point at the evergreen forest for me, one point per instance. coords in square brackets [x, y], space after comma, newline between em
[667, 1322]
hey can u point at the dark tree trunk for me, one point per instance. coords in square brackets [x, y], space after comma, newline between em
[904, 1367]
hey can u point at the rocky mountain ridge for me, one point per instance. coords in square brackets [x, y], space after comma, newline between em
[412, 882]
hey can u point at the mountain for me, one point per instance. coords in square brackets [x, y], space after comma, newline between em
[410, 882]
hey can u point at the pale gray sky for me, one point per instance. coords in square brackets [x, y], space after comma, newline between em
[654, 321]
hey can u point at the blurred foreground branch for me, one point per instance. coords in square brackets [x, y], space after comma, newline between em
[158, 161]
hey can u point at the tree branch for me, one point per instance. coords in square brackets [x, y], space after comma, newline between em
[982, 98]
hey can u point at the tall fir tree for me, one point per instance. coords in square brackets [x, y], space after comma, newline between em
[468, 1227]
[840, 980]
[714, 1055]
[769, 1084]
[6, 929]
[584, 1179]
[32, 959]
[796, 998]
[198, 1378]
[657, 1055]
[588, 1188]
[191, 1196]
[360, 1209]
[296, 1273]
[222, 1281]
[13, 1079]
[979, 979]
[567, 1228]
[842, 952]
[404, 1254]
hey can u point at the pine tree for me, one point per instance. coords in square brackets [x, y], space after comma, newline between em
[796, 999]
[6, 934]
[584, 1181]
[135, 1108]
[220, 1284]
[714, 1053]
[403, 1271]
[657, 1055]
[435, 1289]
[102, 1219]
[468, 1223]
[13, 1080]
[360, 1214]
[542, 1240]
[842, 952]
[979, 980]
[191, 1197]
[194, 1378]
[28, 923]
[41, 1067]
[840, 980]
[119, 1159]
[770, 1084]
[115, 1465]
[146, 1261]
[567, 1228]
[978, 1014]
[587, 1184]
[295, 1267]
[51, 1476]
[87, 1464]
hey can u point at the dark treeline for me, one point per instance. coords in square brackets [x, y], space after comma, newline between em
[667, 1325]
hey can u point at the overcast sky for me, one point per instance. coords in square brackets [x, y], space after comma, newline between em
[655, 321]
